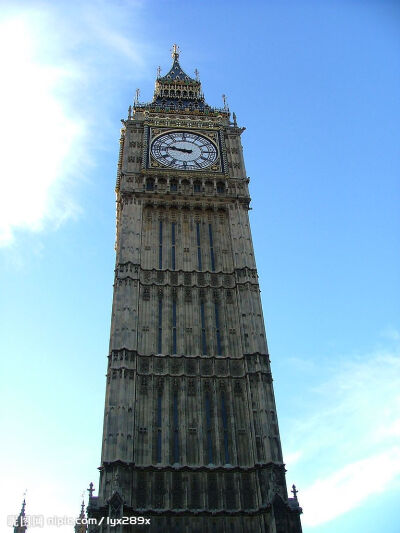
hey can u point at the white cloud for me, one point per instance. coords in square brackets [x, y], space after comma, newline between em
[53, 63]
[345, 489]
[292, 458]
[345, 445]
[39, 138]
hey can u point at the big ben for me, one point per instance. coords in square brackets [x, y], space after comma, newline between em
[190, 438]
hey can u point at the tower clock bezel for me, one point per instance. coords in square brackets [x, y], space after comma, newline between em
[212, 136]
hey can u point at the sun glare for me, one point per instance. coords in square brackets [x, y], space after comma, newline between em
[36, 133]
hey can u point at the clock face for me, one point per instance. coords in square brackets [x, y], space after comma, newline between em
[184, 150]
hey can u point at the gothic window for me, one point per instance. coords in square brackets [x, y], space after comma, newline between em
[159, 339]
[220, 187]
[210, 234]
[176, 428]
[195, 492]
[198, 246]
[177, 494]
[160, 242]
[225, 427]
[149, 184]
[159, 423]
[203, 329]
[141, 493]
[174, 349]
[209, 429]
[173, 228]
[173, 185]
[209, 187]
[159, 489]
[197, 186]
[217, 329]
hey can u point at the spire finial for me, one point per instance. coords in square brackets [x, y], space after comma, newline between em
[225, 101]
[294, 491]
[137, 93]
[175, 52]
[24, 503]
[83, 503]
[196, 73]
[158, 71]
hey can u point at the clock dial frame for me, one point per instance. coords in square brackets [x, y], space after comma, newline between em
[184, 150]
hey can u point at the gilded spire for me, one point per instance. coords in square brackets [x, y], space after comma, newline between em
[176, 87]
[176, 91]
[175, 52]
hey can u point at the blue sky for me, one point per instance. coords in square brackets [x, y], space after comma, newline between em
[317, 86]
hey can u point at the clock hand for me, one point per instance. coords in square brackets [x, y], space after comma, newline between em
[180, 149]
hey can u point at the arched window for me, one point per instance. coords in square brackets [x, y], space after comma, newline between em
[173, 184]
[149, 184]
[209, 186]
[220, 187]
[197, 186]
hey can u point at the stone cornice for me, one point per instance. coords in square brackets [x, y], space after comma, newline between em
[186, 200]
[198, 468]
[126, 364]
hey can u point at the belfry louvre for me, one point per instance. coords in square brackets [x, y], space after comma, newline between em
[190, 437]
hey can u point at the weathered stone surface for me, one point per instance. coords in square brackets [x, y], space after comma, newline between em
[190, 432]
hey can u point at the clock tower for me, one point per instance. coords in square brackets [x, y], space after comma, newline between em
[190, 439]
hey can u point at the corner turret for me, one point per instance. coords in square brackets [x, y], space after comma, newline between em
[80, 526]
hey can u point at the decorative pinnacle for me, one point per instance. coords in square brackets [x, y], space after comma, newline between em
[225, 102]
[90, 490]
[294, 491]
[137, 93]
[175, 52]
[196, 73]
[158, 72]
[24, 503]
